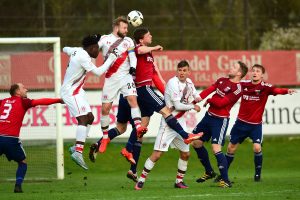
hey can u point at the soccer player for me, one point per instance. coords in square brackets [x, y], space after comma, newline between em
[215, 122]
[249, 121]
[148, 100]
[72, 89]
[118, 78]
[179, 94]
[12, 112]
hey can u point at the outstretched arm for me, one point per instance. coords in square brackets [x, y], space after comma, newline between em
[145, 49]
[45, 101]
[283, 91]
[103, 68]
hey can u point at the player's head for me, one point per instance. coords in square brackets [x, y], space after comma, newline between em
[142, 36]
[239, 69]
[183, 70]
[120, 26]
[257, 73]
[18, 89]
[90, 44]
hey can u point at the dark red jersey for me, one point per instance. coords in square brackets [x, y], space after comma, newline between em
[144, 68]
[254, 99]
[12, 111]
[227, 94]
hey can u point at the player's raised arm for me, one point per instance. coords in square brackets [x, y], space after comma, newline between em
[132, 58]
[103, 68]
[45, 101]
[70, 50]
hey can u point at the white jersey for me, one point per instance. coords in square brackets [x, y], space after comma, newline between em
[121, 66]
[179, 91]
[80, 63]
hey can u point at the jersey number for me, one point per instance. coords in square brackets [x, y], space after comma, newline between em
[6, 111]
[130, 85]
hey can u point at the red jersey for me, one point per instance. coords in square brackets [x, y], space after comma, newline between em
[227, 94]
[12, 111]
[254, 99]
[144, 68]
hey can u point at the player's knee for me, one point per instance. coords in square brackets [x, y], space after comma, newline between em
[185, 155]
[197, 143]
[231, 148]
[90, 118]
[122, 127]
[256, 148]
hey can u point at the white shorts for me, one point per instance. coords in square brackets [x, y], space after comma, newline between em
[112, 87]
[77, 104]
[167, 136]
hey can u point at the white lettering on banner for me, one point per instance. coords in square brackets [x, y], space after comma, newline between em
[164, 63]
[281, 116]
[224, 61]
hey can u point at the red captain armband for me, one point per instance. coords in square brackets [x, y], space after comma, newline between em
[45, 101]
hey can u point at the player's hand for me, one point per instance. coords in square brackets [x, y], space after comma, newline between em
[292, 91]
[158, 48]
[197, 108]
[206, 102]
[116, 52]
[132, 71]
[198, 99]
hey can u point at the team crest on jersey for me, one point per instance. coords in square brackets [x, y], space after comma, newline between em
[125, 45]
[227, 89]
[257, 92]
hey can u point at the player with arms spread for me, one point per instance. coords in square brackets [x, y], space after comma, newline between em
[179, 94]
[12, 112]
[249, 122]
[72, 89]
[215, 122]
[118, 78]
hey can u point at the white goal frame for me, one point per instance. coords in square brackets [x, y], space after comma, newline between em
[55, 41]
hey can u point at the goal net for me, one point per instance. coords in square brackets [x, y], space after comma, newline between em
[36, 63]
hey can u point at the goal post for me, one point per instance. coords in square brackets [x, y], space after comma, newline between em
[55, 41]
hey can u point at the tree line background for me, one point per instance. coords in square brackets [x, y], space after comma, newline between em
[174, 24]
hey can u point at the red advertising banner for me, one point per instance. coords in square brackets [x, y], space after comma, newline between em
[36, 71]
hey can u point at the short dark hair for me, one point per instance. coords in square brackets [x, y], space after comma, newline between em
[243, 68]
[118, 20]
[260, 67]
[183, 63]
[139, 34]
[13, 88]
[90, 40]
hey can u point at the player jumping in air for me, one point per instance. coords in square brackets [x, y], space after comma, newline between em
[72, 89]
[118, 78]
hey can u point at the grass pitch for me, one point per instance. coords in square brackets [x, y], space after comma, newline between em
[106, 179]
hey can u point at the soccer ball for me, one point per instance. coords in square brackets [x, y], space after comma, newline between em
[135, 18]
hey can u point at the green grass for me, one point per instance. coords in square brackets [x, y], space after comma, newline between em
[106, 179]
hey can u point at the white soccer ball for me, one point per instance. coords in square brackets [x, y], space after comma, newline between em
[135, 18]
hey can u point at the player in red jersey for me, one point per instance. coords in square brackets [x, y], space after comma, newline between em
[12, 111]
[215, 122]
[249, 121]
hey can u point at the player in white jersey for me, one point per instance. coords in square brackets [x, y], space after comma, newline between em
[179, 94]
[72, 91]
[118, 79]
